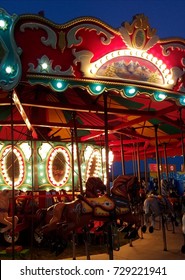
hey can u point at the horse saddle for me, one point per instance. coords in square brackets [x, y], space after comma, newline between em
[119, 201]
[164, 202]
[101, 206]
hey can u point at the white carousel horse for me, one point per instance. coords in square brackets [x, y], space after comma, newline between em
[157, 206]
[5, 219]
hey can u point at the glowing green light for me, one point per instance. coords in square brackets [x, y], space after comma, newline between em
[44, 66]
[9, 69]
[159, 96]
[59, 85]
[182, 100]
[96, 88]
[162, 96]
[3, 24]
[130, 91]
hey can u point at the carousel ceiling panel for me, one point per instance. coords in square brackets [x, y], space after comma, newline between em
[55, 123]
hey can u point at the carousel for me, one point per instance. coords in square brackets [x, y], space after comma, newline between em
[74, 99]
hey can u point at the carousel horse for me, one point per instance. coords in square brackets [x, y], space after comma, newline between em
[63, 218]
[158, 206]
[183, 232]
[5, 219]
[126, 192]
[120, 193]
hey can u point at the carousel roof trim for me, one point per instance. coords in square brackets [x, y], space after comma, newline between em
[144, 59]
[125, 88]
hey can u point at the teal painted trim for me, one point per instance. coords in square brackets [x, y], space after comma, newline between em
[10, 64]
[97, 88]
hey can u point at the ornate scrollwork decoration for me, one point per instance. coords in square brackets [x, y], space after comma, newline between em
[50, 40]
[168, 48]
[73, 40]
[139, 34]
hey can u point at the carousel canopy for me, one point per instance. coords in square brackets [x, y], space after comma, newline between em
[88, 76]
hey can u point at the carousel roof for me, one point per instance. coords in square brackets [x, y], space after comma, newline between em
[89, 76]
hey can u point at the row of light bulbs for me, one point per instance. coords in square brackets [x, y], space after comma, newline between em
[138, 53]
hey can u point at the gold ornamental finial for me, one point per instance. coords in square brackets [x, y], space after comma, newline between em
[139, 34]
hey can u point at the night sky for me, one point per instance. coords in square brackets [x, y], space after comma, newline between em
[166, 16]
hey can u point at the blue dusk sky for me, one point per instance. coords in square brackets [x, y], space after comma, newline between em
[166, 16]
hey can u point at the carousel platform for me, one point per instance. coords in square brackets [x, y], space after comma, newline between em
[149, 246]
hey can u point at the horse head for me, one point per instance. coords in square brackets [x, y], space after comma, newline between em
[94, 186]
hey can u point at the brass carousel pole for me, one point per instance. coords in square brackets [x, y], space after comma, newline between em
[106, 145]
[165, 160]
[72, 159]
[138, 164]
[135, 161]
[157, 159]
[73, 191]
[145, 166]
[182, 139]
[133, 165]
[32, 196]
[122, 155]
[146, 189]
[183, 153]
[110, 242]
[13, 179]
[81, 191]
[77, 152]
[159, 186]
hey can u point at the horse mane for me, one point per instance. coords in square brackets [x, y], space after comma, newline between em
[122, 185]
